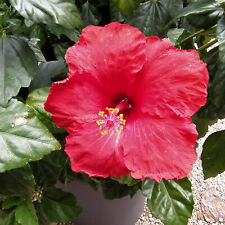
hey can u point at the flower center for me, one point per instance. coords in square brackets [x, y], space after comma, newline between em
[124, 105]
[111, 121]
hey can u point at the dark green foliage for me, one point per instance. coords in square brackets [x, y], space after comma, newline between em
[213, 154]
[112, 189]
[90, 14]
[17, 182]
[59, 206]
[18, 66]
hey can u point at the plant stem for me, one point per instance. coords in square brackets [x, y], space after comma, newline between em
[207, 45]
[189, 37]
[196, 34]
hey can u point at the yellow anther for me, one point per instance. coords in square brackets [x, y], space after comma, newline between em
[111, 110]
[117, 110]
[101, 113]
[121, 128]
[100, 127]
[104, 132]
[99, 122]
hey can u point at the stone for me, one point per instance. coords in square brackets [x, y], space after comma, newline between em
[213, 207]
[200, 216]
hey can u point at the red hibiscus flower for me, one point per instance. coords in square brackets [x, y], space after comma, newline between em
[127, 104]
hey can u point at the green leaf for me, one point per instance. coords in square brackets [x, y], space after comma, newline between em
[213, 155]
[57, 30]
[62, 12]
[37, 31]
[218, 94]
[112, 189]
[8, 218]
[4, 10]
[201, 6]
[12, 25]
[116, 14]
[48, 170]
[46, 71]
[36, 100]
[127, 6]
[170, 201]
[205, 20]
[209, 111]
[90, 14]
[17, 67]
[59, 206]
[128, 180]
[201, 125]
[23, 138]
[60, 49]
[2, 217]
[178, 37]
[17, 182]
[25, 213]
[173, 6]
[174, 34]
[11, 201]
[211, 61]
[152, 16]
[33, 43]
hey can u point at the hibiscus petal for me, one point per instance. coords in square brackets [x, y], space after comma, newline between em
[156, 88]
[75, 100]
[95, 154]
[172, 80]
[113, 50]
[159, 148]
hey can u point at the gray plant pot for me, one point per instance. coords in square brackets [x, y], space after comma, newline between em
[99, 211]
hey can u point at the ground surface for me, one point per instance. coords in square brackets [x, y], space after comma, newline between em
[209, 195]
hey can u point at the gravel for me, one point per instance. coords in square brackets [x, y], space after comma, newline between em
[199, 185]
